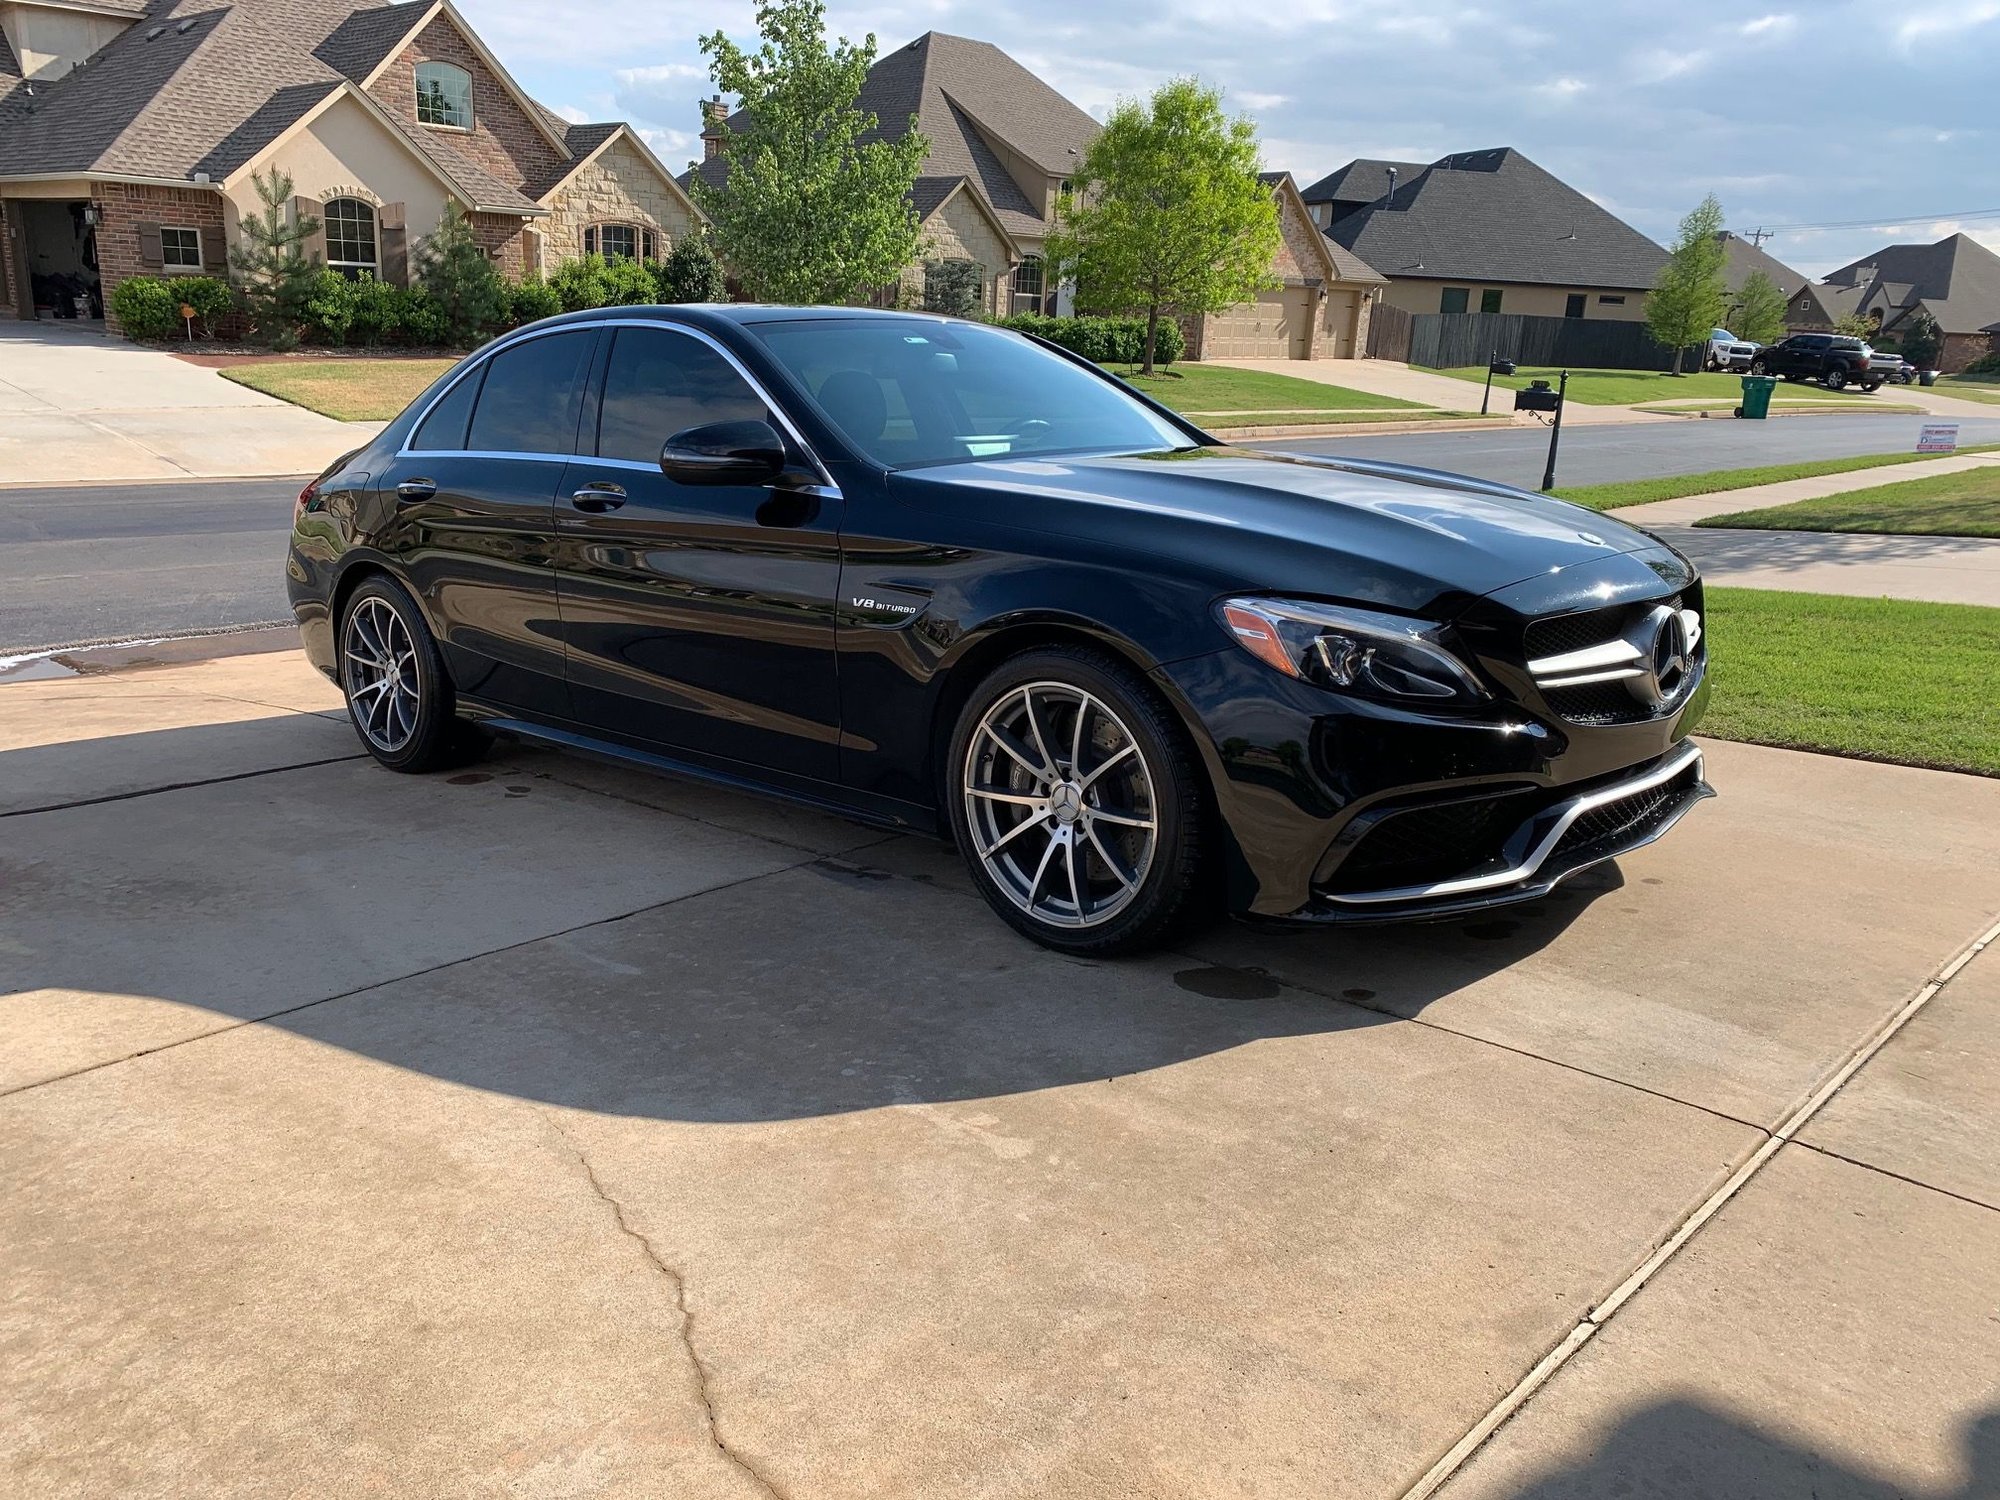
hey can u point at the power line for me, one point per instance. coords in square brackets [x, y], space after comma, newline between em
[1885, 223]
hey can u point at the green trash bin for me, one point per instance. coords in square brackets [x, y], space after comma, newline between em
[1757, 396]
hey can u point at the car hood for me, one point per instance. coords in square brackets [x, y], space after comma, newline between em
[1416, 540]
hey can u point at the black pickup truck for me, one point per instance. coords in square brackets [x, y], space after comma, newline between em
[1832, 359]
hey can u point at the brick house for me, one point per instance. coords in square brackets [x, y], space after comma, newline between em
[1956, 280]
[1003, 147]
[130, 131]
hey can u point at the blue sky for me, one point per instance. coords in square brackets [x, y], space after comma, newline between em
[1794, 112]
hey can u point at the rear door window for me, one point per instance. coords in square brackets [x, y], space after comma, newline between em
[532, 395]
[659, 382]
[444, 429]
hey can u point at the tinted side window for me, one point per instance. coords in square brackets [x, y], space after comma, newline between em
[659, 382]
[532, 392]
[446, 424]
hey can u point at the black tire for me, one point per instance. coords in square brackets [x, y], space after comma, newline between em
[410, 724]
[1834, 380]
[1156, 887]
[1758, 367]
[1871, 388]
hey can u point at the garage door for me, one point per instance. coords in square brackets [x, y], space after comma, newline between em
[1337, 342]
[1278, 325]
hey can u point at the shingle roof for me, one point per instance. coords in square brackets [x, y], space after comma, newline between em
[581, 141]
[1741, 259]
[1957, 280]
[971, 101]
[1360, 181]
[365, 38]
[1496, 216]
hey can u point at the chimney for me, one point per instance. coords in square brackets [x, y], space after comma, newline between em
[714, 126]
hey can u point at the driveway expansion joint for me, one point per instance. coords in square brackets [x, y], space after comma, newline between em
[677, 1282]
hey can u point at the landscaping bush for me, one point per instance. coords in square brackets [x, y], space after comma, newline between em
[376, 310]
[209, 296]
[1986, 364]
[691, 273]
[422, 322]
[329, 308]
[145, 308]
[952, 287]
[630, 282]
[1103, 341]
[582, 283]
[459, 279]
[532, 298]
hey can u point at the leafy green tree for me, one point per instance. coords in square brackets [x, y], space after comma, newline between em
[1922, 343]
[1690, 295]
[810, 211]
[1167, 215]
[274, 274]
[1856, 325]
[691, 273]
[1759, 313]
[453, 268]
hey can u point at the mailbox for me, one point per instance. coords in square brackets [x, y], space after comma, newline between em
[1503, 367]
[1537, 397]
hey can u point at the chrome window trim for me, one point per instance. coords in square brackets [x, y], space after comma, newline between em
[826, 489]
[1690, 756]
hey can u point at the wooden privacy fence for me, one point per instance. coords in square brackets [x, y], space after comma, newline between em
[1388, 332]
[1445, 341]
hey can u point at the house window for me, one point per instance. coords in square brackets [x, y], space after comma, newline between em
[444, 95]
[620, 241]
[1608, 301]
[1028, 284]
[350, 238]
[1489, 301]
[1454, 299]
[1573, 305]
[180, 249]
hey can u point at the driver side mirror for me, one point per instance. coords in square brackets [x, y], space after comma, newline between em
[724, 453]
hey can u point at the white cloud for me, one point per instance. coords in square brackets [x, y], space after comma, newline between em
[1770, 27]
[1251, 100]
[570, 113]
[1940, 18]
[1660, 64]
[657, 73]
[668, 145]
[1561, 88]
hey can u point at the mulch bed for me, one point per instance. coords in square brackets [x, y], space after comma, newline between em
[218, 354]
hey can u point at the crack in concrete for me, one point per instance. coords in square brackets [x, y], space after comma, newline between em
[678, 1282]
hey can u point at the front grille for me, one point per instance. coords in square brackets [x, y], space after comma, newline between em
[1566, 633]
[1595, 703]
[1626, 820]
[1424, 845]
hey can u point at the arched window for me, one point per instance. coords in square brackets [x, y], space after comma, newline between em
[350, 238]
[444, 95]
[621, 242]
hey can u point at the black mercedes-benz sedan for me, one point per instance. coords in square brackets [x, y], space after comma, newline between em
[943, 577]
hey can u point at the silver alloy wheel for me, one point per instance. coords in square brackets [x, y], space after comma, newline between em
[378, 668]
[1060, 802]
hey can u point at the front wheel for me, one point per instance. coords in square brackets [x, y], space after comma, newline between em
[398, 694]
[1077, 803]
[1836, 380]
[1758, 367]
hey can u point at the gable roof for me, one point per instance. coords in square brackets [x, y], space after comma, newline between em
[972, 102]
[1336, 260]
[1360, 181]
[1740, 259]
[1957, 280]
[1496, 216]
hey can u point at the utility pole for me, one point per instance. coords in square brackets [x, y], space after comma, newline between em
[1555, 434]
[1757, 237]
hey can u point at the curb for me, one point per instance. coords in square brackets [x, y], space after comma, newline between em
[152, 651]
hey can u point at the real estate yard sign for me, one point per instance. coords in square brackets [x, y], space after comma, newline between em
[1938, 437]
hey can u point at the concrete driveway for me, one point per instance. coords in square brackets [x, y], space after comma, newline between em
[77, 404]
[550, 1130]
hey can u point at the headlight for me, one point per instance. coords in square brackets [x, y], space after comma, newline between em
[1352, 650]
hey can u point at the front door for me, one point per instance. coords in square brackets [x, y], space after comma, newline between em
[695, 617]
[473, 502]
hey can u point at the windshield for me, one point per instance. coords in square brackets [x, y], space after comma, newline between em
[914, 391]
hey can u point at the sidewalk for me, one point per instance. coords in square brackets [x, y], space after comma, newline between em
[77, 404]
[1691, 508]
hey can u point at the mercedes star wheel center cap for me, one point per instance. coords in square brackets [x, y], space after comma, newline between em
[1066, 802]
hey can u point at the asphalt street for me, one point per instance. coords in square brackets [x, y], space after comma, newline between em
[87, 563]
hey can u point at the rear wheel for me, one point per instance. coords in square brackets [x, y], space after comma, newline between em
[1077, 803]
[1835, 380]
[398, 694]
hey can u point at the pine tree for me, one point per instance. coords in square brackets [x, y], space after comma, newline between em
[457, 273]
[274, 275]
[1690, 296]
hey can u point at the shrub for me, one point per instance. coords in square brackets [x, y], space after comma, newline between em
[583, 283]
[631, 283]
[461, 281]
[1986, 364]
[421, 320]
[209, 296]
[691, 273]
[1103, 341]
[145, 309]
[376, 310]
[329, 308]
[532, 298]
[952, 287]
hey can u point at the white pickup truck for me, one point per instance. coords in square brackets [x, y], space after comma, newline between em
[1727, 352]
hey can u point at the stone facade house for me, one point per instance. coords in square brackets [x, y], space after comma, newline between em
[1486, 231]
[130, 132]
[1956, 280]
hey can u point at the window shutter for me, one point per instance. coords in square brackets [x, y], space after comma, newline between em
[214, 250]
[395, 244]
[150, 254]
[314, 245]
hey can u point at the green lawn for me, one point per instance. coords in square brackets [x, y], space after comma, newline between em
[1970, 387]
[351, 390]
[1235, 419]
[1216, 388]
[1883, 679]
[1673, 486]
[1629, 387]
[1779, 405]
[1965, 504]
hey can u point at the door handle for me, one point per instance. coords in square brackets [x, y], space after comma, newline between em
[598, 498]
[416, 489]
